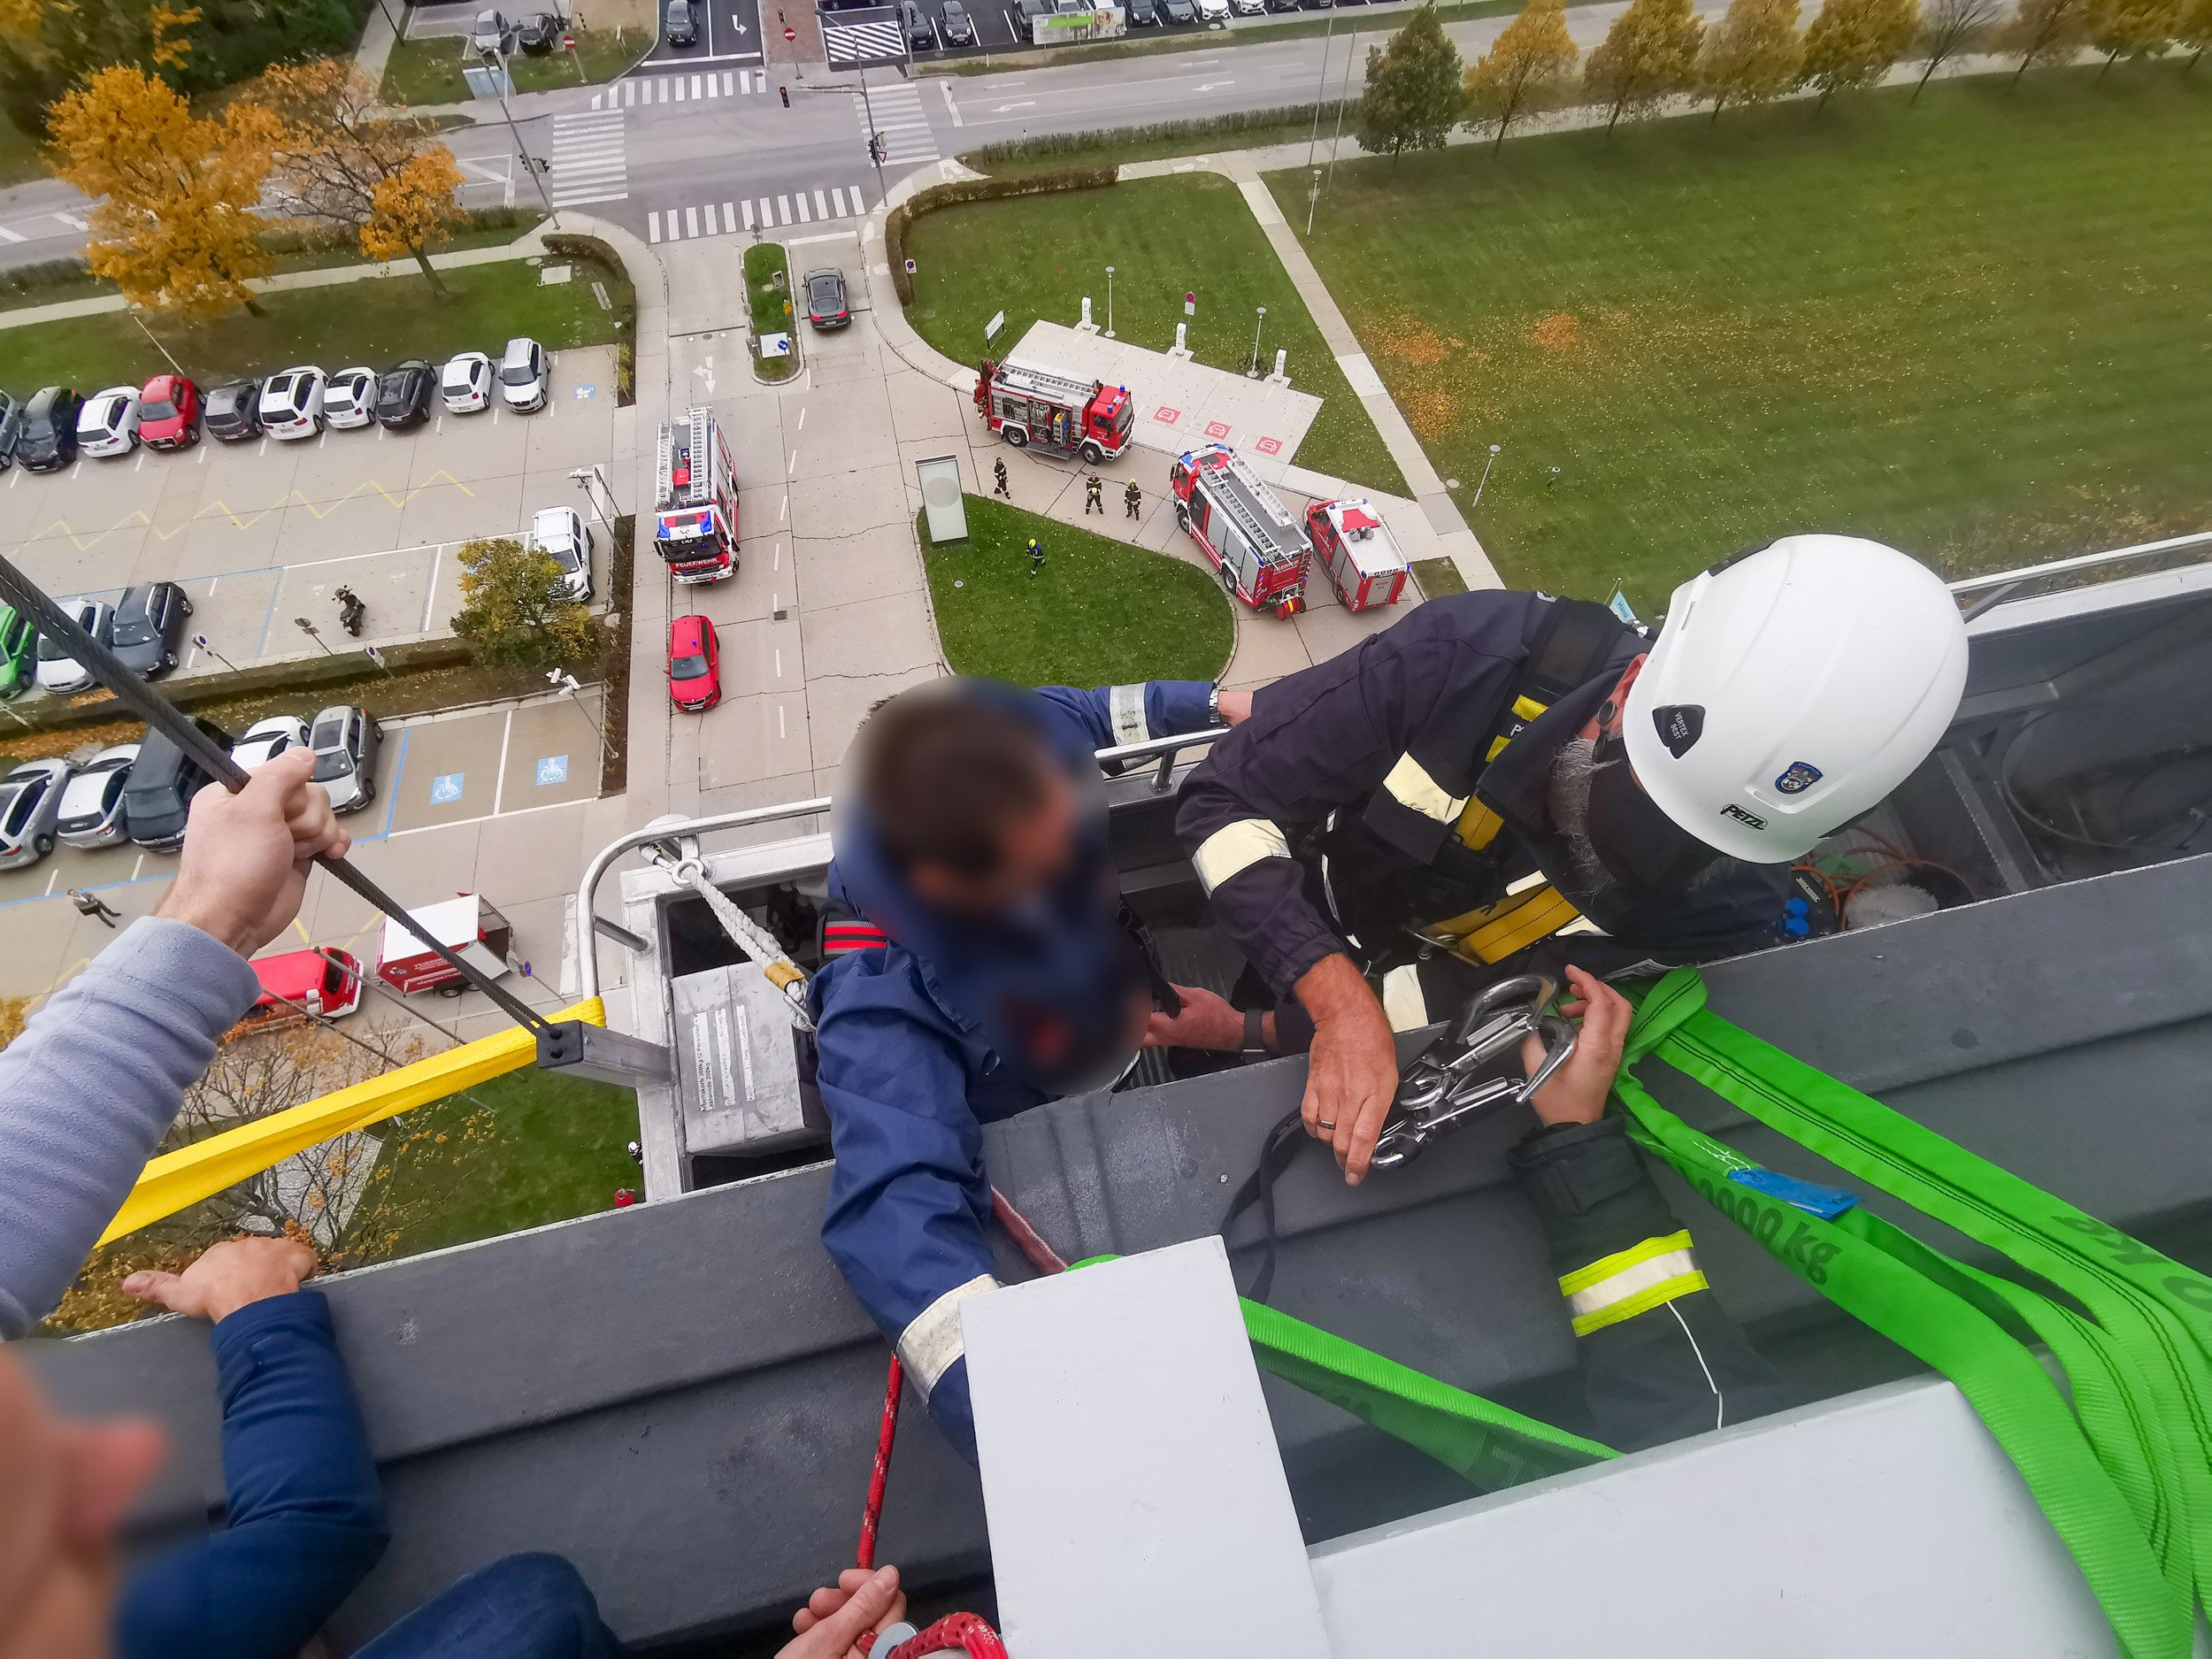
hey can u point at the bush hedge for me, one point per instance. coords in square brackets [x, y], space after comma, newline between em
[964, 190]
[1158, 132]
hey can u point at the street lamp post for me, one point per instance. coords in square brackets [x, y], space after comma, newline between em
[1320, 86]
[141, 321]
[584, 477]
[1256, 329]
[1109, 302]
[1485, 479]
[561, 680]
[497, 65]
[1313, 199]
[314, 633]
[875, 139]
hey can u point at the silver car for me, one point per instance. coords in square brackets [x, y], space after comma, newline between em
[92, 802]
[30, 801]
[57, 671]
[345, 742]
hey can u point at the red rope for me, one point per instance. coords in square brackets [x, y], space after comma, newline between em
[1041, 1255]
[956, 1633]
[872, 1516]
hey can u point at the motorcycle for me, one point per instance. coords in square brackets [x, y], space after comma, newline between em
[350, 610]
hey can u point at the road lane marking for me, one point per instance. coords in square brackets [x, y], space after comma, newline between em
[430, 599]
[499, 781]
[953, 109]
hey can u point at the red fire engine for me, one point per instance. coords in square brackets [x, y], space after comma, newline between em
[694, 520]
[1364, 564]
[1027, 405]
[1251, 537]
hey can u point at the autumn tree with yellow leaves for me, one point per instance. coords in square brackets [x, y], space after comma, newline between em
[1649, 55]
[2193, 33]
[2043, 32]
[340, 158]
[175, 228]
[2132, 28]
[1853, 43]
[1524, 70]
[1753, 56]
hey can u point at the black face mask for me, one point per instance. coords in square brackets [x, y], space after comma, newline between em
[1643, 849]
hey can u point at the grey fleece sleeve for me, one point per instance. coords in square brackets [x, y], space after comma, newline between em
[89, 1089]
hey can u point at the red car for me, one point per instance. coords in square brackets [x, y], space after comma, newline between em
[169, 413]
[299, 985]
[694, 665]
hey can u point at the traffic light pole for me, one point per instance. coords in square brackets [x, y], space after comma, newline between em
[875, 139]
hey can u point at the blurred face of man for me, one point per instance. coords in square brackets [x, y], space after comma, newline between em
[63, 1489]
[1035, 849]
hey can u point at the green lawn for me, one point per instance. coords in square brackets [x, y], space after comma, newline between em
[1101, 612]
[533, 1147]
[429, 70]
[1038, 255]
[19, 158]
[768, 296]
[1976, 327]
[376, 321]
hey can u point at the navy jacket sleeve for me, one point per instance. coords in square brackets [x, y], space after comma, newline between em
[1408, 708]
[305, 1516]
[1660, 1357]
[909, 1200]
[1113, 715]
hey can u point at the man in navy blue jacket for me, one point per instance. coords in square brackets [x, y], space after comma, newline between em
[1000, 971]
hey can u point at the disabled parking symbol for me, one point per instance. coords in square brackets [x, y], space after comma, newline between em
[446, 786]
[552, 768]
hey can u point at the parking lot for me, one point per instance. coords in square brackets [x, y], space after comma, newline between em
[1000, 28]
[260, 533]
[483, 801]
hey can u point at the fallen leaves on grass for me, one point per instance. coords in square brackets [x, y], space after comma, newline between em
[1561, 330]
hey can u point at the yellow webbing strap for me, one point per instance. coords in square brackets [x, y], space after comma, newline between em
[1519, 920]
[177, 1180]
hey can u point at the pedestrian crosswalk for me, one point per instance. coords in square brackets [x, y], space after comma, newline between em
[687, 89]
[742, 214]
[590, 158]
[850, 43]
[899, 117]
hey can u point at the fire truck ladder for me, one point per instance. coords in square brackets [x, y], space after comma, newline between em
[687, 437]
[1252, 507]
[1019, 377]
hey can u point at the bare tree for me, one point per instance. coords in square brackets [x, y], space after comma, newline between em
[1952, 27]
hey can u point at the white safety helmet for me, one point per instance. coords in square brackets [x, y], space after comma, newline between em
[1792, 690]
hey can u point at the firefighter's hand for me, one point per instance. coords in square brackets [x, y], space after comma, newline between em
[234, 1274]
[836, 1617]
[244, 865]
[1352, 1073]
[1206, 1022]
[1234, 707]
[1578, 1090]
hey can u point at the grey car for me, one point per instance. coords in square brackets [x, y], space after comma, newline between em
[30, 801]
[345, 741]
[491, 33]
[92, 802]
[149, 627]
[11, 429]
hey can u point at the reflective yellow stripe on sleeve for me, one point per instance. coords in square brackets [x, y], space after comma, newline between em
[1409, 785]
[1235, 848]
[1629, 1282]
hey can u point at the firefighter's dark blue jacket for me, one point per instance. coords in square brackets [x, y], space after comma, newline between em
[909, 1054]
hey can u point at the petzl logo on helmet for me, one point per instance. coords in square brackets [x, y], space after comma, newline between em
[1680, 724]
[1741, 816]
[1797, 777]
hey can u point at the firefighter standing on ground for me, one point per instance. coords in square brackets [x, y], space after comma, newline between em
[1501, 779]
[1036, 557]
[1131, 498]
[998, 476]
[1091, 502]
[93, 904]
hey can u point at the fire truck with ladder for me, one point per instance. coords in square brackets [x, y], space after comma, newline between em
[1254, 540]
[1028, 405]
[695, 518]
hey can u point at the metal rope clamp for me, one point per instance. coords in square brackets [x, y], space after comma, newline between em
[1476, 1067]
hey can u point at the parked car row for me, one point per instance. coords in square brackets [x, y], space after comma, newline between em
[144, 628]
[140, 792]
[170, 412]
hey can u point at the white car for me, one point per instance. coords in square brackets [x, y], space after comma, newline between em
[350, 399]
[467, 383]
[265, 740]
[57, 671]
[526, 379]
[562, 532]
[92, 802]
[292, 403]
[1250, 8]
[1213, 10]
[108, 423]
